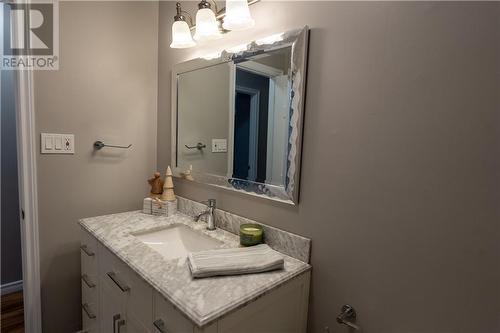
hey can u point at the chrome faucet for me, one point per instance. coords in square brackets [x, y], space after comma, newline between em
[210, 214]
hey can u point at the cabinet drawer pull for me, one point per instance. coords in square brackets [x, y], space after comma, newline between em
[120, 324]
[88, 312]
[160, 326]
[86, 250]
[87, 281]
[115, 318]
[112, 276]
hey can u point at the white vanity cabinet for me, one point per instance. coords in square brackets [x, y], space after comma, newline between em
[126, 299]
[116, 300]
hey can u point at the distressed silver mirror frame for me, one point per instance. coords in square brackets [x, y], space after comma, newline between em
[298, 40]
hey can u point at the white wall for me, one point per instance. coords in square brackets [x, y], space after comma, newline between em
[401, 170]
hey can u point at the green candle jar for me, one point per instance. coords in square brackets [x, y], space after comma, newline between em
[251, 234]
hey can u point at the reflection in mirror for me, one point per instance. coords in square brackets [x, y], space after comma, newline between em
[203, 116]
[261, 117]
[238, 119]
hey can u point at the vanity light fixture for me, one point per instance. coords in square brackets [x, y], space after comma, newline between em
[237, 16]
[181, 33]
[206, 23]
[210, 23]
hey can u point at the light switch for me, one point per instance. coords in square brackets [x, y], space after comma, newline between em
[57, 143]
[49, 142]
[219, 145]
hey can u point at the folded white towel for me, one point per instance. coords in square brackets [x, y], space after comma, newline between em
[246, 260]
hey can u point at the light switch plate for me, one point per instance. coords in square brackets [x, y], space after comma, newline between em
[51, 143]
[48, 142]
[58, 142]
[219, 145]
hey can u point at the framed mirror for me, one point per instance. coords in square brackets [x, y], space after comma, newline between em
[237, 117]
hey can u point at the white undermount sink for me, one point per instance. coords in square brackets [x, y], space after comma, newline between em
[177, 240]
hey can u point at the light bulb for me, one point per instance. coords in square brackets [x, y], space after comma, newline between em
[237, 15]
[181, 36]
[206, 25]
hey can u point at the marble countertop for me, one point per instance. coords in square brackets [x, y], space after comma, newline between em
[201, 300]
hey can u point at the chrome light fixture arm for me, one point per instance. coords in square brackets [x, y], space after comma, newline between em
[206, 4]
[181, 17]
[219, 13]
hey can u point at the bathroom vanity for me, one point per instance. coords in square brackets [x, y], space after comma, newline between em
[132, 283]
[236, 125]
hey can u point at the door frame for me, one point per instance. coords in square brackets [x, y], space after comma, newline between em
[272, 109]
[271, 73]
[28, 197]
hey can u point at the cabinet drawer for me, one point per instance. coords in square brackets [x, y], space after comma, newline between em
[139, 299]
[168, 319]
[112, 273]
[111, 308]
[133, 290]
[88, 253]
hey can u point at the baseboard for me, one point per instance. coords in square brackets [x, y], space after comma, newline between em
[11, 287]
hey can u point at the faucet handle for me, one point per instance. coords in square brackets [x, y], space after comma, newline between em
[210, 203]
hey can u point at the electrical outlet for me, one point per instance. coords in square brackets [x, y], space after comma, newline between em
[69, 143]
[219, 145]
[57, 143]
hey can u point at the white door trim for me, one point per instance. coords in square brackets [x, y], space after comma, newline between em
[28, 200]
[260, 69]
[270, 132]
[230, 139]
[28, 195]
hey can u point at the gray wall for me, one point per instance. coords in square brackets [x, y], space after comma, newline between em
[196, 126]
[11, 260]
[106, 88]
[401, 165]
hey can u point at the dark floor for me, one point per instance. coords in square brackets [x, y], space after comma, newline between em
[12, 313]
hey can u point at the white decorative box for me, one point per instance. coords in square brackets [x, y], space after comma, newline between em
[147, 206]
[163, 208]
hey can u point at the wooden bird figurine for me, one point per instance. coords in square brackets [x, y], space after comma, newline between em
[156, 184]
